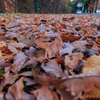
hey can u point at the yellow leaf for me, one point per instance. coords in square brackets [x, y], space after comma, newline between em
[92, 64]
[3, 57]
[91, 94]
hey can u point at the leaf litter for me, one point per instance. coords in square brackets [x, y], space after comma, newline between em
[49, 57]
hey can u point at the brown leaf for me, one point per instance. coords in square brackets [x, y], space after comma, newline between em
[77, 56]
[75, 65]
[15, 91]
[43, 39]
[2, 38]
[88, 84]
[24, 74]
[32, 51]
[12, 49]
[65, 95]
[18, 45]
[26, 40]
[55, 47]
[2, 24]
[53, 68]
[19, 61]
[44, 93]
[80, 45]
[12, 46]
[44, 79]
[8, 79]
[74, 61]
[12, 24]
[30, 81]
[41, 55]
[62, 26]
[43, 45]
[4, 64]
[95, 49]
[68, 50]
[26, 96]
[70, 38]
[1, 95]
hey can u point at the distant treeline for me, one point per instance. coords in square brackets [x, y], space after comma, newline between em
[45, 6]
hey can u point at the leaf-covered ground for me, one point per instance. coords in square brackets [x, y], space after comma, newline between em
[49, 57]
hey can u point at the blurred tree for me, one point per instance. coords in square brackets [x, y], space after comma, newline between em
[45, 6]
[2, 6]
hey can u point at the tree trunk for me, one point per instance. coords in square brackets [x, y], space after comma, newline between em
[2, 6]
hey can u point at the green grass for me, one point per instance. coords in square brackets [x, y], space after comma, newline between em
[1, 14]
[9, 20]
[24, 83]
[36, 66]
[2, 71]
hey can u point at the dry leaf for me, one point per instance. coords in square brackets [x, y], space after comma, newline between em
[4, 64]
[52, 68]
[19, 61]
[30, 81]
[44, 93]
[87, 83]
[2, 38]
[68, 50]
[8, 79]
[1, 95]
[70, 38]
[26, 96]
[65, 95]
[55, 47]
[15, 91]
[92, 64]
[80, 45]
[18, 45]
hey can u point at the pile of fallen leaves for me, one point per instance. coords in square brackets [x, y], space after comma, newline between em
[49, 57]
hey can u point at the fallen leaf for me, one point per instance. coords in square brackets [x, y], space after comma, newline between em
[12, 24]
[43, 45]
[2, 24]
[24, 74]
[92, 64]
[44, 79]
[1, 95]
[8, 79]
[53, 68]
[65, 95]
[4, 64]
[26, 96]
[55, 47]
[44, 93]
[32, 51]
[88, 84]
[15, 91]
[68, 50]
[41, 55]
[70, 38]
[80, 45]
[43, 39]
[2, 38]
[18, 45]
[95, 49]
[19, 61]
[30, 81]
[12, 49]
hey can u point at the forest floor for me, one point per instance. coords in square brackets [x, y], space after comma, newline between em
[49, 57]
